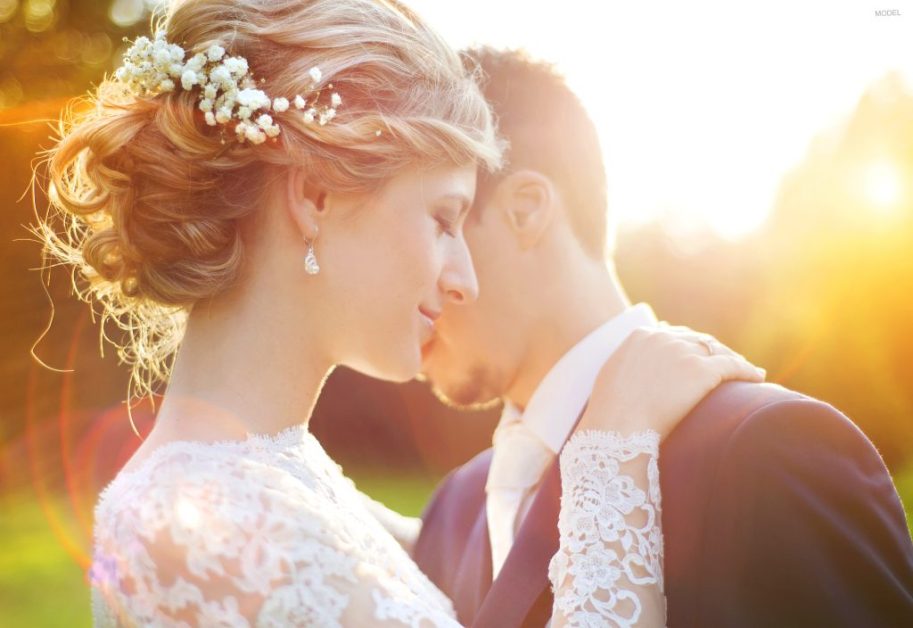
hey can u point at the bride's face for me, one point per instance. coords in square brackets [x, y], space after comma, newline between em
[390, 262]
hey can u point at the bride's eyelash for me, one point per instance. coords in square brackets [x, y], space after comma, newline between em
[445, 226]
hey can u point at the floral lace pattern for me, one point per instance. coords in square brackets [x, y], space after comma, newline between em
[264, 532]
[610, 535]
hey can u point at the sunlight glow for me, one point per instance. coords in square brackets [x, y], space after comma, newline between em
[702, 107]
[882, 185]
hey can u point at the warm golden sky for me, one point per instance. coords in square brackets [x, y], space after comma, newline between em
[702, 105]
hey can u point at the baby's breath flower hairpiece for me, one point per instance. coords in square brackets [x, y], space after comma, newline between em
[227, 89]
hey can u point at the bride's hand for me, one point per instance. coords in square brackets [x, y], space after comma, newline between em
[657, 376]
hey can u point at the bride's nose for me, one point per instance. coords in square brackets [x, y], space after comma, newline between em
[458, 277]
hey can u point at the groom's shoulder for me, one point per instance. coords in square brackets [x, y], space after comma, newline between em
[745, 420]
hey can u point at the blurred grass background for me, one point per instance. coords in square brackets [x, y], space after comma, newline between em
[820, 295]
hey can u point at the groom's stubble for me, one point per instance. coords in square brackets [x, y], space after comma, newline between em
[472, 394]
[474, 389]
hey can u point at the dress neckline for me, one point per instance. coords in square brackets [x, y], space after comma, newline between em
[291, 436]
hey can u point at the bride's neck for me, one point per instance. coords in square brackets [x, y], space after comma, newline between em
[242, 368]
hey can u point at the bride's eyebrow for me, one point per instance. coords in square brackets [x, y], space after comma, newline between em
[465, 202]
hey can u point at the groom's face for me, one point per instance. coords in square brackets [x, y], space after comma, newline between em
[476, 348]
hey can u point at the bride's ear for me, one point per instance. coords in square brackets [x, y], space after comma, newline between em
[527, 200]
[305, 202]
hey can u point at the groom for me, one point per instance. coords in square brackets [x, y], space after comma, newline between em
[777, 510]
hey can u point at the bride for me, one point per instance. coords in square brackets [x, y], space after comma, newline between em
[247, 253]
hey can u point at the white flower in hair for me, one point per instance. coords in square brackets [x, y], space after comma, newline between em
[253, 98]
[215, 52]
[188, 79]
[236, 66]
[221, 77]
[223, 115]
[196, 63]
[228, 89]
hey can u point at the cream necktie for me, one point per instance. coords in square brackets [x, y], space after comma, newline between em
[517, 464]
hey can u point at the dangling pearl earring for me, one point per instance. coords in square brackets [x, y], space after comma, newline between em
[311, 267]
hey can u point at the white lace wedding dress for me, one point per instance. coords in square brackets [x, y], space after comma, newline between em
[269, 532]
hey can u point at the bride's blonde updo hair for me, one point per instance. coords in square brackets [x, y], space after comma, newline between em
[146, 199]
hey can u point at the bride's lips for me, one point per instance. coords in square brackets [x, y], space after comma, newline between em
[428, 317]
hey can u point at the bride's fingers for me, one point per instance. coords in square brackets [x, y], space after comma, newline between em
[734, 367]
[706, 342]
[715, 347]
[707, 346]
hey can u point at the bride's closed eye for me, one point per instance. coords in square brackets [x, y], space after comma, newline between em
[450, 210]
[447, 224]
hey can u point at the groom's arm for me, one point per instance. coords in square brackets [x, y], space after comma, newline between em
[805, 526]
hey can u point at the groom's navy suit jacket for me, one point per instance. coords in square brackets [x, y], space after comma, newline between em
[776, 511]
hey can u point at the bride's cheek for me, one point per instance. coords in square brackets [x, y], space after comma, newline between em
[429, 253]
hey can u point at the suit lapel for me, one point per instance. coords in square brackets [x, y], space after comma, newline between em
[525, 573]
[473, 578]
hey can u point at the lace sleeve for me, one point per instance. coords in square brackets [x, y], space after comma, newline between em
[608, 568]
[209, 541]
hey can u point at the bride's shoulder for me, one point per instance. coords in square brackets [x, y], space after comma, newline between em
[168, 466]
[188, 481]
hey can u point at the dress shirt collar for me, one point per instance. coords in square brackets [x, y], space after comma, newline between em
[562, 393]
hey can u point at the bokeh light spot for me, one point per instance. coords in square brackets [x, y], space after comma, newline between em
[126, 12]
[8, 9]
[11, 92]
[40, 15]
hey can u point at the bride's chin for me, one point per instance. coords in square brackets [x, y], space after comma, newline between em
[403, 367]
[397, 360]
[400, 377]
[412, 366]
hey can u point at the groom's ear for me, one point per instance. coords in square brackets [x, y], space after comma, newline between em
[526, 199]
[305, 202]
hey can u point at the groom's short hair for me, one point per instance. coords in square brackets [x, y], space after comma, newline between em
[549, 131]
